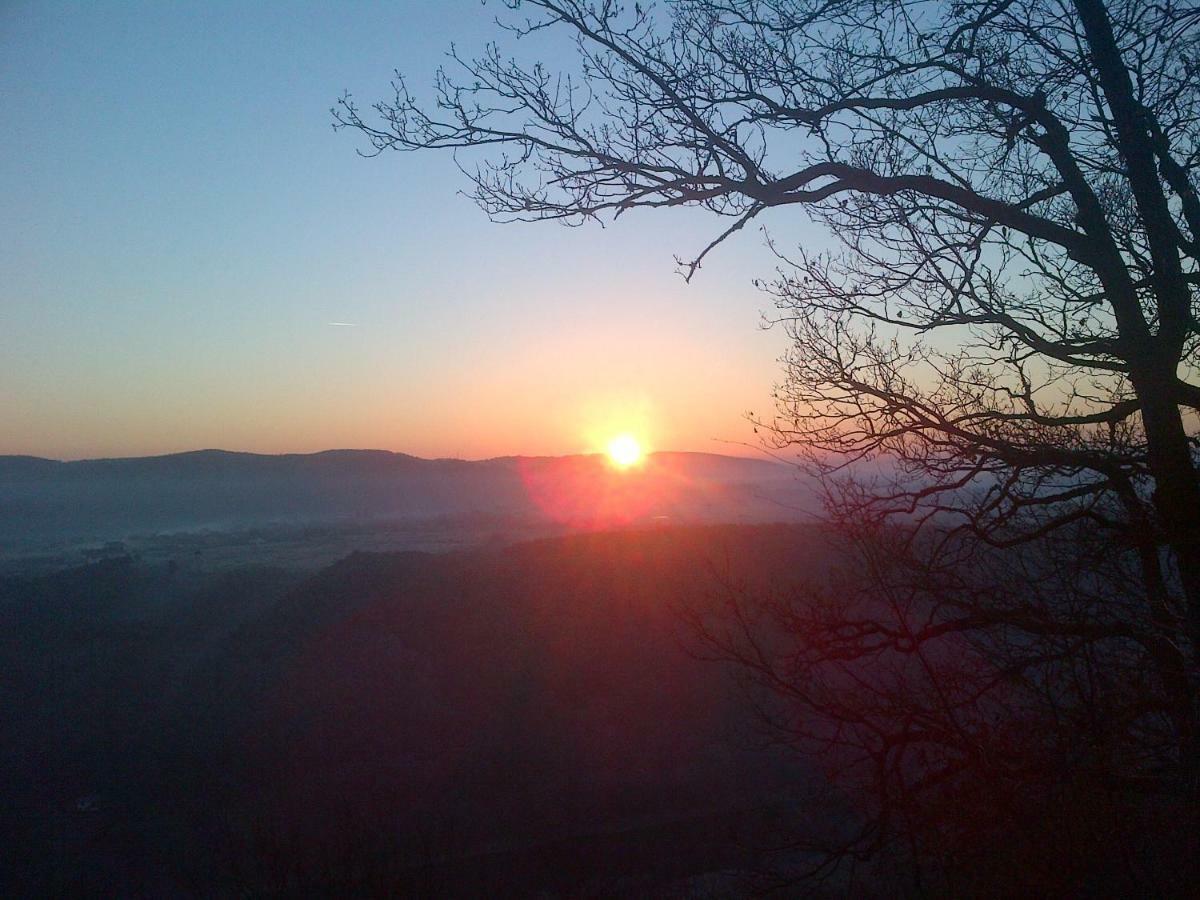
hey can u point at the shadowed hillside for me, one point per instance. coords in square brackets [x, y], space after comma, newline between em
[521, 717]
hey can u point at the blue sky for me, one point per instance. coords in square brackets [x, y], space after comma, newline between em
[181, 224]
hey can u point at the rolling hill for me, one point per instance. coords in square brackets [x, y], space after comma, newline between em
[50, 503]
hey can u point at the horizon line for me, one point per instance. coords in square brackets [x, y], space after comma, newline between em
[329, 450]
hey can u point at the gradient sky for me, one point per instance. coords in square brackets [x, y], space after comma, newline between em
[180, 224]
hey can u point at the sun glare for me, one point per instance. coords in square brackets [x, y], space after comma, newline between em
[624, 451]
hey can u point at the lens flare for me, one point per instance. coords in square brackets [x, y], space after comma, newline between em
[624, 451]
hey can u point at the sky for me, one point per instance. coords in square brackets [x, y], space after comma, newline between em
[180, 227]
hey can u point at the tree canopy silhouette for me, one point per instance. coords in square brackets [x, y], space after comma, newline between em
[1013, 186]
[1009, 319]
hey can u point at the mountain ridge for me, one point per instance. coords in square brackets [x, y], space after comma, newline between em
[345, 453]
[46, 502]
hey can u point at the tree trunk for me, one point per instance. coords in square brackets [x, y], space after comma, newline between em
[1176, 490]
[1154, 367]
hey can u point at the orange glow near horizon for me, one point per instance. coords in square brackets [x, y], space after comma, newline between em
[594, 492]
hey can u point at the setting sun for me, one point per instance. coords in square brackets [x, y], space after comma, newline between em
[624, 451]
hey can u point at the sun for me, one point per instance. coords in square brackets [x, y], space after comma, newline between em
[624, 451]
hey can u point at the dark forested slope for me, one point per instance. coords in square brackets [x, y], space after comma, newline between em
[493, 717]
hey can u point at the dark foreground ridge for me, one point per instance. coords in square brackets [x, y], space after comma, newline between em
[501, 720]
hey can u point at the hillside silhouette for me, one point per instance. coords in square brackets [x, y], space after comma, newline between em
[47, 506]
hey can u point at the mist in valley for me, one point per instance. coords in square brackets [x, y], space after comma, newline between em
[517, 716]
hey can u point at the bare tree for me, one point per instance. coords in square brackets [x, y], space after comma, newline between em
[1010, 321]
[1011, 727]
[1012, 184]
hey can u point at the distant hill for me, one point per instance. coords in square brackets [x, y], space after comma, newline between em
[44, 500]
